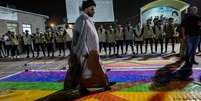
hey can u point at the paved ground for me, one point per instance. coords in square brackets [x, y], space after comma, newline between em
[138, 79]
[8, 66]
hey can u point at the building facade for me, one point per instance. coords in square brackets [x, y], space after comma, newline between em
[19, 21]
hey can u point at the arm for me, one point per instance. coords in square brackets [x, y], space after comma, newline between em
[142, 32]
[79, 39]
[183, 33]
[135, 34]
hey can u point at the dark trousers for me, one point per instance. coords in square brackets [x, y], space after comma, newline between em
[150, 41]
[61, 47]
[192, 44]
[103, 45]
[173, 41]
[34, 46]
[158, 41]
[111, 44]
[1, 50]
[29, 48]
[40, 46]
[50, 49]
[15, 50]
[8, 50]
[68, 45]
[139, 44]
[129, 43]
[120, 43]
[199, 46]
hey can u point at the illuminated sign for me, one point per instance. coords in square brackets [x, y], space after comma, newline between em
[162, 13]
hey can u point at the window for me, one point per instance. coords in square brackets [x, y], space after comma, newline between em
[26, 27]
[12, 27]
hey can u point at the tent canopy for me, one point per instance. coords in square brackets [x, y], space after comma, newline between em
[176, 4]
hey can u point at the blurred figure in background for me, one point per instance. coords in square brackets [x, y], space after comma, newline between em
[28, 42]
[102, 38]
[129, 37]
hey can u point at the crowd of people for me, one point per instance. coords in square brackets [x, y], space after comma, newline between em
[112, 38]
[153, 33]
[13, 44]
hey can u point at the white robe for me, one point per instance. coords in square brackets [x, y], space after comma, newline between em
[85, 39]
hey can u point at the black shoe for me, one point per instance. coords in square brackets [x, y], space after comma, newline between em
[183, 75]
[27, 57]
[185, 71]
[107, 88]
[84, 91]
[112, 83]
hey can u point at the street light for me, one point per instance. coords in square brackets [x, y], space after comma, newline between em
[52, 25]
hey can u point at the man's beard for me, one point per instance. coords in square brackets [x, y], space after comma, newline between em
[90, 15]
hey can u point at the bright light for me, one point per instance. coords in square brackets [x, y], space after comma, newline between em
[52, 25]
[70, 26]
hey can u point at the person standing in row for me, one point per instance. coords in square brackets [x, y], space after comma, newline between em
[159, 35]
[43, 43]
[138, 38]
[50, 42]
[14, 45]
[7, 39]
[120, 39]
[28, 43]
[1, 48]
[39, 39]
[170, 34]
[68, 38]
[129, 37]
[60, 40]
[102, 38]
[148, 34]
[111, 40]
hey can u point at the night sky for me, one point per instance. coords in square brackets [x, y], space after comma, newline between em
[124, 9]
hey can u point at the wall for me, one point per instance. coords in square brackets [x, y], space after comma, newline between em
[3, 27]
[33, 20]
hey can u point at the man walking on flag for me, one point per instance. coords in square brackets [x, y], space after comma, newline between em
[85, 70]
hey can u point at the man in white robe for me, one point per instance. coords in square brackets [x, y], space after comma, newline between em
[84, 60]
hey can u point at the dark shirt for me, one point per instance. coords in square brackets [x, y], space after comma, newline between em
[190, 24]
